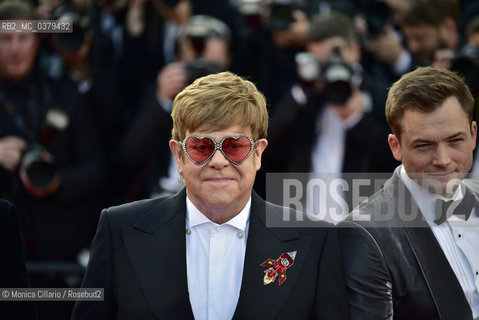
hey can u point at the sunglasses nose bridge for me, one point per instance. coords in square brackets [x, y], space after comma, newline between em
[218, 146]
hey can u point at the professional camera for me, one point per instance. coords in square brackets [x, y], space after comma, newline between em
[198, 68]
[252, 11]
[199, 30]
[466, 63]
[81, 21]
[39, 172]
[337, 77]
[376, 15]
[280, 14]
[332, 79]
[276, 16]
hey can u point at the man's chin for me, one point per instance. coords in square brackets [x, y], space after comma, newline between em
[15, 75]
[441, 184]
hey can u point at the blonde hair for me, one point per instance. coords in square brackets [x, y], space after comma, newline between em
[218, 101]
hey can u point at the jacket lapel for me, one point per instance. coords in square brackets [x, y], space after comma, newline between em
[156, 247]
[445, 289]
[257, 300]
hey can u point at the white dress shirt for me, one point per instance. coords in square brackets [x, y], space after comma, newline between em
[458, 239]
[214, 262]
[327, 163]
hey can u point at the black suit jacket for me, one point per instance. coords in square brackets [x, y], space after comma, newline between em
[13, 273]
[395, 268]
[139, 258]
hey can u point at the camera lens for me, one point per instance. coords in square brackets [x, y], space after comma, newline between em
[39, 172]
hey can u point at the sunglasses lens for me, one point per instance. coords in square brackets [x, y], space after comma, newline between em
[199, 149]
[237, 149]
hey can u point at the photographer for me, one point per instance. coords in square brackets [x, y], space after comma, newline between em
[51, 163]
[151, 27]
[203, 46]
[92, 57]
[332, 121]
[431, 31]
[385, 56]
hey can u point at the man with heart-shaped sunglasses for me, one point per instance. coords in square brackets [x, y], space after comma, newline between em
[200, 253]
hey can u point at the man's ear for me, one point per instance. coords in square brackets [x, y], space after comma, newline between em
[474, 134]
[261, 144]
[395, 147]
[175, 148]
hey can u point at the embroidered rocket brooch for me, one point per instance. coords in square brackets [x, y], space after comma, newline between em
[278, 267]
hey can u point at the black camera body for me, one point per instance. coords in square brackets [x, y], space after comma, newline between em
[276, 16]
[39, 172]
[281, 14]
[337, 79]
[81, 20]
[376, 14]
[334, 77]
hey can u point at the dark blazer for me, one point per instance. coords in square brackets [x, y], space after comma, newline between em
[13, 273]
[139, 257]
[396, 269]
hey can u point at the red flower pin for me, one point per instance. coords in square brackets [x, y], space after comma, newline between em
[278, 267]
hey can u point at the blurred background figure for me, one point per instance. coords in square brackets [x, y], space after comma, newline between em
[332, 119]
[93, 58]
[431, 30]
[51, 159]
[203, 47]
[151, 29]
[385, 55]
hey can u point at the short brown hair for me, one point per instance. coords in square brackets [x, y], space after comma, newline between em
[16, 10]
[334, 24]
[218, 101]
[424, 90]
[430, 12]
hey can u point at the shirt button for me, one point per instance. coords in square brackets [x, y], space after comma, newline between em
[218, 228]
[188, 231]
[240, 234]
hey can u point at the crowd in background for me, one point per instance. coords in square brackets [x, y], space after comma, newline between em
[91, 109]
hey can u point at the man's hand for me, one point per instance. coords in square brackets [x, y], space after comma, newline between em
[11, 151]
[354, 105]
[171, 80]
[296, 33]
[443, 58]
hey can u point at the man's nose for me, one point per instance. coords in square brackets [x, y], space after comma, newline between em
[14, 44]
[413, 46]
[442, 156]
[218, 160]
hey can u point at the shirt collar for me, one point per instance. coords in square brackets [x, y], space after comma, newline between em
[195, 217]
[426, 200]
